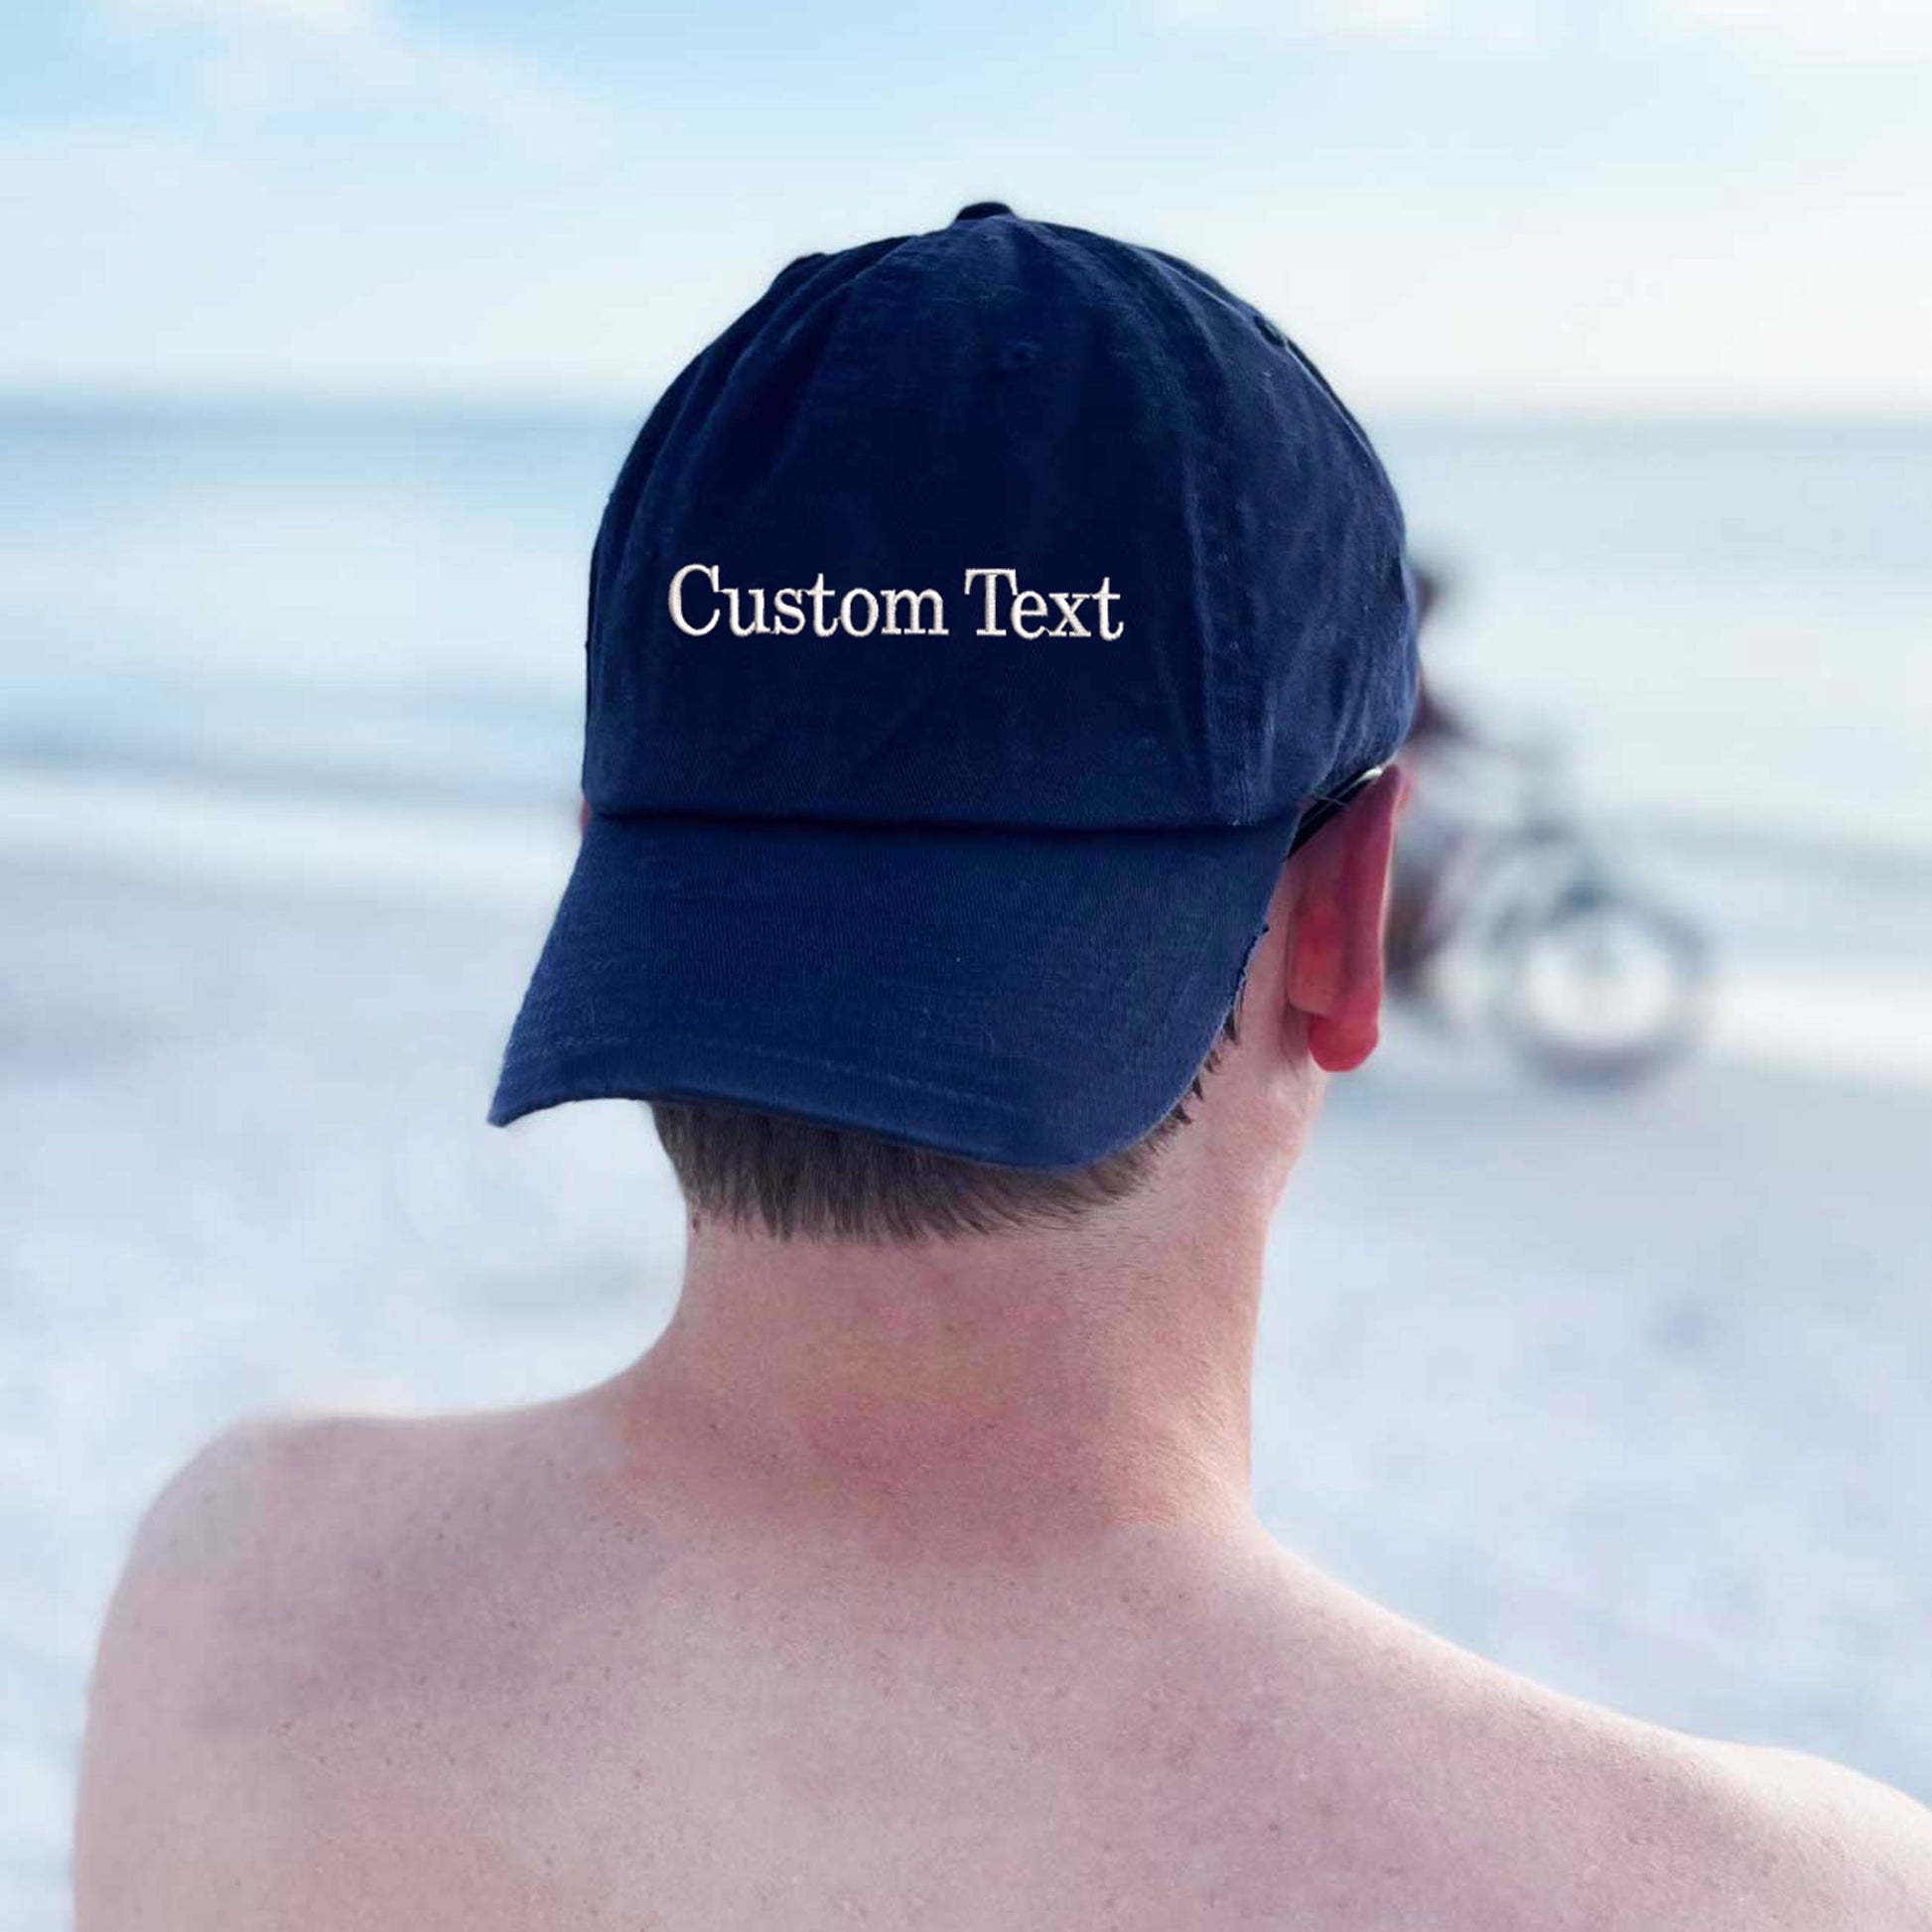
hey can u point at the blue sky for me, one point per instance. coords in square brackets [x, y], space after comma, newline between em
[1606, 205]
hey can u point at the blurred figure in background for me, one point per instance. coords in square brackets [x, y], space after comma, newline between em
[1582, 973]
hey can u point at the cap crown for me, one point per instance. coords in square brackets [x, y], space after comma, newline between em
[999, 395]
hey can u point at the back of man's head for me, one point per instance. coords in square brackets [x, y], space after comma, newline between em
[976, 629]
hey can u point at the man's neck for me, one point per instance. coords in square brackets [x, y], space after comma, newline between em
[994, 1395]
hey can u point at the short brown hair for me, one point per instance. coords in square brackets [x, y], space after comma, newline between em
[793, 1178]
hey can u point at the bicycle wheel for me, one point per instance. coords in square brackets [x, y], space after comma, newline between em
[1595, 985]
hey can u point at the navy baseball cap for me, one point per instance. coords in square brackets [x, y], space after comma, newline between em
[971, 626]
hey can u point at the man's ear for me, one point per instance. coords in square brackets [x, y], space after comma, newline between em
[1335, 943]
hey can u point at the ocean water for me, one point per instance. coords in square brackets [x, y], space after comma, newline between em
[354, 602]
[1724, 624]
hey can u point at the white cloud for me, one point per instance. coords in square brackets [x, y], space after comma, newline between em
[333, 17]
[1851, 27]
[1768, 28]
[257, 55]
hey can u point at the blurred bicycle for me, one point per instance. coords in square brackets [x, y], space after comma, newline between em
[1584, 975]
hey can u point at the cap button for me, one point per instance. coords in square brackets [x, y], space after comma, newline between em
[979, 210]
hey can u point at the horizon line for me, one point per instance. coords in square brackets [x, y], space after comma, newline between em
[1906, 411]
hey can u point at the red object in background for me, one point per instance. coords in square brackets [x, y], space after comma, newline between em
[582, 814]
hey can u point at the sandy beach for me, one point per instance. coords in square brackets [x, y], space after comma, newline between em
[1626, 1391]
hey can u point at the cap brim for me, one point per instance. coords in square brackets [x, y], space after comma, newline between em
[1034, 1000]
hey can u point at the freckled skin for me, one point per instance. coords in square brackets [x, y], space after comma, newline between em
[900, 1587]
[479, 1672]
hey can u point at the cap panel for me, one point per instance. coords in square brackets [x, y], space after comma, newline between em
[1309, 634]
[989, 397]
[1108, 428]
[1355, 662]
[798, 309]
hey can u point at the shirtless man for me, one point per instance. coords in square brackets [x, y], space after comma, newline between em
[910, 1577]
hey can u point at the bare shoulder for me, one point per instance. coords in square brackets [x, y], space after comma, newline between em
[264, 1500]
[214, 1648]
[1714, 1835]
[1873, 1843]
[1734, 1835]
[1462, 1795]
